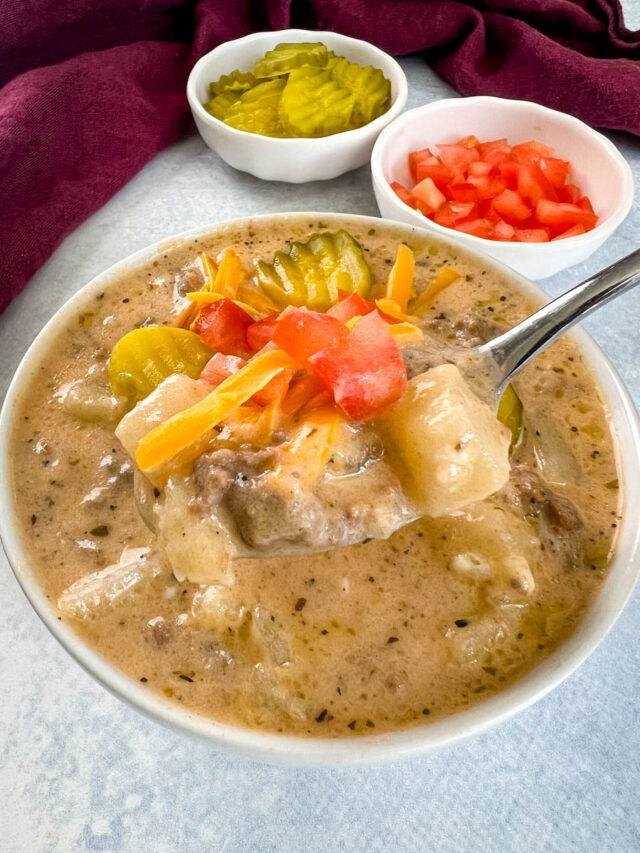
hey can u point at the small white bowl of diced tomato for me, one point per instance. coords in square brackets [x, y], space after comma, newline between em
[535, 188]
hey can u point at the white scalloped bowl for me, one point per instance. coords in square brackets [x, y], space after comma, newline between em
[281, 749]
[292, 160]
[597, 167]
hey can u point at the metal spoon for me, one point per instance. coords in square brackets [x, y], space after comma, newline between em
[506, 355]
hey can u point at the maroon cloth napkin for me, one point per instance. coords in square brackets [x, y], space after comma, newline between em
[93, 89]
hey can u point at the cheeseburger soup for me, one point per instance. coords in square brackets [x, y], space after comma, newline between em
[310, 522]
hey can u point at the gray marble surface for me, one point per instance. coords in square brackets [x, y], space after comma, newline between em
[81, 772]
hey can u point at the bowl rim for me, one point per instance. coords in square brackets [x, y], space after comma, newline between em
[608, 225]
[395, 107]
[337, 752]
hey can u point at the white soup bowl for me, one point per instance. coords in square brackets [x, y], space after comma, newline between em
[294, 160]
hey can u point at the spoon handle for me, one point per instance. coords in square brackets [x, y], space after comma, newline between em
[516, 347]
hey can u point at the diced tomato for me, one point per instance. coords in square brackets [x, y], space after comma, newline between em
[438, 173]
[477, 227]
[509, 169]
[301, 333]
[219, 367]
[303, 389]
[511, 207]
[562, 216]
[497, 157]
[533, 185]
[485, 185]
[452, 212]
[499, 185]
[503, 231]
[463, 191]
[260, 333]
[585, 204]
[403, 194]
[456, 158]
[429, 195]
[353, 305]
[528, 152]
[532, 235]
[416, 157]
[274, 388]
[569, 193]
[365, 373]
[223, 325]
[555, 170]
[493, 146]
[571, 232]
[469, 142]
[479, 168]
[485, 210]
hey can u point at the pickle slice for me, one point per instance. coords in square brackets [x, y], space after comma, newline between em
[318, 296]
[292, 277]
[312, 273]
[220, 105]
[144, 357]
[256, 111]
[314, 104]
[285, 57]
[510, 413]
[332, 60]
[354, 275]
[233, 84]
[370, 87]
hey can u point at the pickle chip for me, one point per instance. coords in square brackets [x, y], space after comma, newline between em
[312, 273]
[235, 83]
[285, 57]
[370, 87]
[314, 104]
[256, 111]
[145, 357]
[510, 413]
[332, 60]
[220, 105]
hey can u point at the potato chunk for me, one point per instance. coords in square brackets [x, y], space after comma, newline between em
[197, 547]
[450, 447]
[177, 393]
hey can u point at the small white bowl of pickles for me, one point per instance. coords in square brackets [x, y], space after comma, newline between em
[295, 105]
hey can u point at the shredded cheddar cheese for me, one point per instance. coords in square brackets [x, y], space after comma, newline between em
[392, 309]
[172, 436]
[444, 279]
[406, 333]
[401, 277]
[201, 297]
[310, 448]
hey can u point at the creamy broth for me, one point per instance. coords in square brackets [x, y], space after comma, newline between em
[365, 639]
